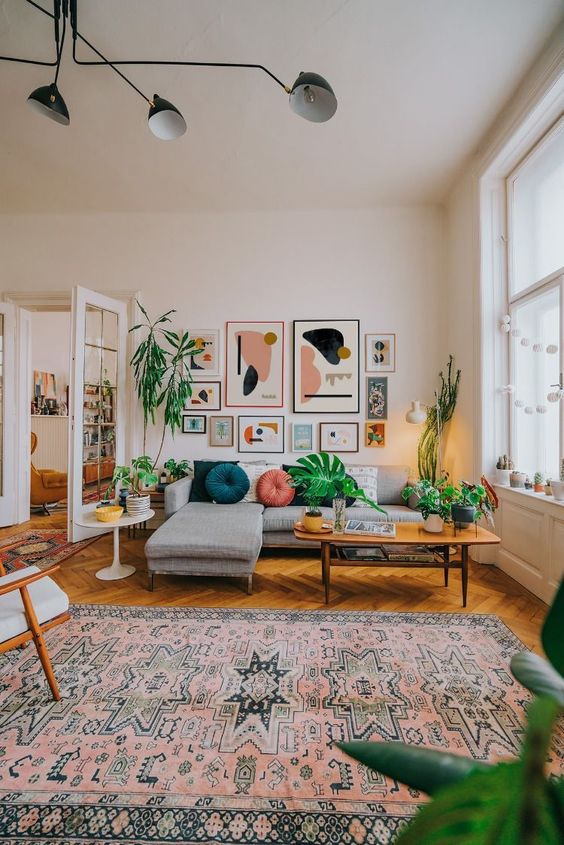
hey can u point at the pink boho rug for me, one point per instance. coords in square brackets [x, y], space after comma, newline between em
[203, 725]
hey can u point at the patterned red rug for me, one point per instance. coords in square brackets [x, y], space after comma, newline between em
[204, 725]
[42, 548]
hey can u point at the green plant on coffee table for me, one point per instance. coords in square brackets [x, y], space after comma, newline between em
[323, 476]
[472, 496]
[177, 469]
[431, 498]
[509, 803]
[313, 503]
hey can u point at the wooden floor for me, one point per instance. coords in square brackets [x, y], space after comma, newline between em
[285, 579]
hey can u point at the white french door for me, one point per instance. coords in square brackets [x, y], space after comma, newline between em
[98, 402]
[8, 414]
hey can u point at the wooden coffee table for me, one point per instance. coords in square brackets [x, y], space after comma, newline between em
[407, 533]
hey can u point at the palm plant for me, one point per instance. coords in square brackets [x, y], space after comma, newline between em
[510, 803]
[162, 373]
[323, 476]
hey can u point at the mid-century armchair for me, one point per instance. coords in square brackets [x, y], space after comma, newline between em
[30, 604]
[47, 485]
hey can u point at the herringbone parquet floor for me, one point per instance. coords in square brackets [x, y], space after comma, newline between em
[285, 579]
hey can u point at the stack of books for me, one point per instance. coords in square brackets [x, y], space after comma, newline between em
[399, 554]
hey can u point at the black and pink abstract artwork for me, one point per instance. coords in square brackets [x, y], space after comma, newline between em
[255, 365]
[326, 366]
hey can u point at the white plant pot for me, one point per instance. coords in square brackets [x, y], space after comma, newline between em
[558, 490]
[502, 476]
[138, 505]
[433, 524]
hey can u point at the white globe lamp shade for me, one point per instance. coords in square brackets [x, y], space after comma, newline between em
[416, 414]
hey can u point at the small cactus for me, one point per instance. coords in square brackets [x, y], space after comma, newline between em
[538, 478]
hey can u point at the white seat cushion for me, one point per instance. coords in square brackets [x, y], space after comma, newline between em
[47, 598]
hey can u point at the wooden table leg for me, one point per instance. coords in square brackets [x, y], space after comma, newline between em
[446, 555]
[464, 557]
[326, 568]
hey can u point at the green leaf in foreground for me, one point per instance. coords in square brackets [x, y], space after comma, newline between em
[538, 676]
[552, 635]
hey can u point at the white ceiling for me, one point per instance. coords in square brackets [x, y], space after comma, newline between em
[418, 83]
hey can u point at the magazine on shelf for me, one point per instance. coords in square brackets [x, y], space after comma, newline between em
[362, 553]
[415, 554]
[370, 529]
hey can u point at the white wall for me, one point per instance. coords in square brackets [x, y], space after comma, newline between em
[50, 346]
[383, 266]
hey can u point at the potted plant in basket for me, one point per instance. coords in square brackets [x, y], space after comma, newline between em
[323, 476]
[433, 501]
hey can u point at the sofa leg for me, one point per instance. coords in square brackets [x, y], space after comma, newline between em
[151, 581]
[249, 585]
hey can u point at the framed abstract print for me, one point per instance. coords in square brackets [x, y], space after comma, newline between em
[338, 437]
[193, 424]
[207, 362]
[377, 397]
[326, 366]
[374, 435]
[254, 362]
[261, 434]
[221, 431]
[380, 353]
[206, 396]
[302, 437]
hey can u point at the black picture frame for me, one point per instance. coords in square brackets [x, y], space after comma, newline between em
[333, 409]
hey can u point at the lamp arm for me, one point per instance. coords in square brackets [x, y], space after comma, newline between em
[55, 16]
[76, 34]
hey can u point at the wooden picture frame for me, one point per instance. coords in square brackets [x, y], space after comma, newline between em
[338, 436]
[380, 353]
[221, 431]
[206, 396]
[302, 437]
[374, 435]
[208, 362]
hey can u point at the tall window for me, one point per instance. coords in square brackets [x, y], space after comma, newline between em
[535, 193]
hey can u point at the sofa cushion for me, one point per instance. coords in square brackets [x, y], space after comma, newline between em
[394, 513]
[366, 477]
[204, 530]
[284, 519]
[227, 484]
[391, 481]
[273, 489]
[254, 472]
[198, 492]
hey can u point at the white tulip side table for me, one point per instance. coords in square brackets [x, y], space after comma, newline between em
[117, 570]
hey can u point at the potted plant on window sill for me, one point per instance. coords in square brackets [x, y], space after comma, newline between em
[538, 484]
[323, 477]
[432, 501]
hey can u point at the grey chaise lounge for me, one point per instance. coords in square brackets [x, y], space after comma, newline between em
[200, 538]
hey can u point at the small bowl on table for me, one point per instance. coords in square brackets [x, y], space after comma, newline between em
[109, 513]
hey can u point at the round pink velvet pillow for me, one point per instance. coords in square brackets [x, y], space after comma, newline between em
[273, 489]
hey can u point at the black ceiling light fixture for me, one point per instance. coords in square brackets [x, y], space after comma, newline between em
[311, 96]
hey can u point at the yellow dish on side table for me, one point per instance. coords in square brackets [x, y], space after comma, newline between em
[109, 513]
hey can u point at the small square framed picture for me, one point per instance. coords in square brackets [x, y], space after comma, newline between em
[302, 437]
[193, 424]
[374, 435]
[221, 431]
[338, 436]
[380, 351]
[206, 396]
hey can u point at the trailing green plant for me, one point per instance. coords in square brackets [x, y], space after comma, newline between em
[323, 476]
[431, 498]
[438, 415]
[135, 477]
[177, 469]
[162, 373]
[509, 803]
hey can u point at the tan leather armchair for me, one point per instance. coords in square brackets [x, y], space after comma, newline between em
[47, 485]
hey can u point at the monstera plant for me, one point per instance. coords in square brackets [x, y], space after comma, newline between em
[323, 476]
[510, 803]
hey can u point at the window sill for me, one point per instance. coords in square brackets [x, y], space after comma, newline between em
[528, 498]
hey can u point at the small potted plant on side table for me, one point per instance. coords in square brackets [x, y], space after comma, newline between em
[433, 501]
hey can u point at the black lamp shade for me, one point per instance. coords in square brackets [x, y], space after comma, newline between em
[165, 121]
[313, 98]
[47, 100]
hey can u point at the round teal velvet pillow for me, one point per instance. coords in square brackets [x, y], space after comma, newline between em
[227, 484]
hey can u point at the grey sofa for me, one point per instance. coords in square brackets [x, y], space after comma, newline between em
[225, 540]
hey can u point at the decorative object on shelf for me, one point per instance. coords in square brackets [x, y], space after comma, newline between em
[377, 397]
[528, 483]
[538, 484]
[326, 366]
[429, 455]
[208, 362]
[374, 435]
[261, 434]
[517, 479]
[302, 437]
[254, 364]
[432, 501]
[221, 431]
[338, 436]
[380, 353]
[177, 469]
[416, 414]
[206, 396]
[122, 498]
[162, 374]
[310, 97]
[109, 514]
[194, 424]
[548, 487]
